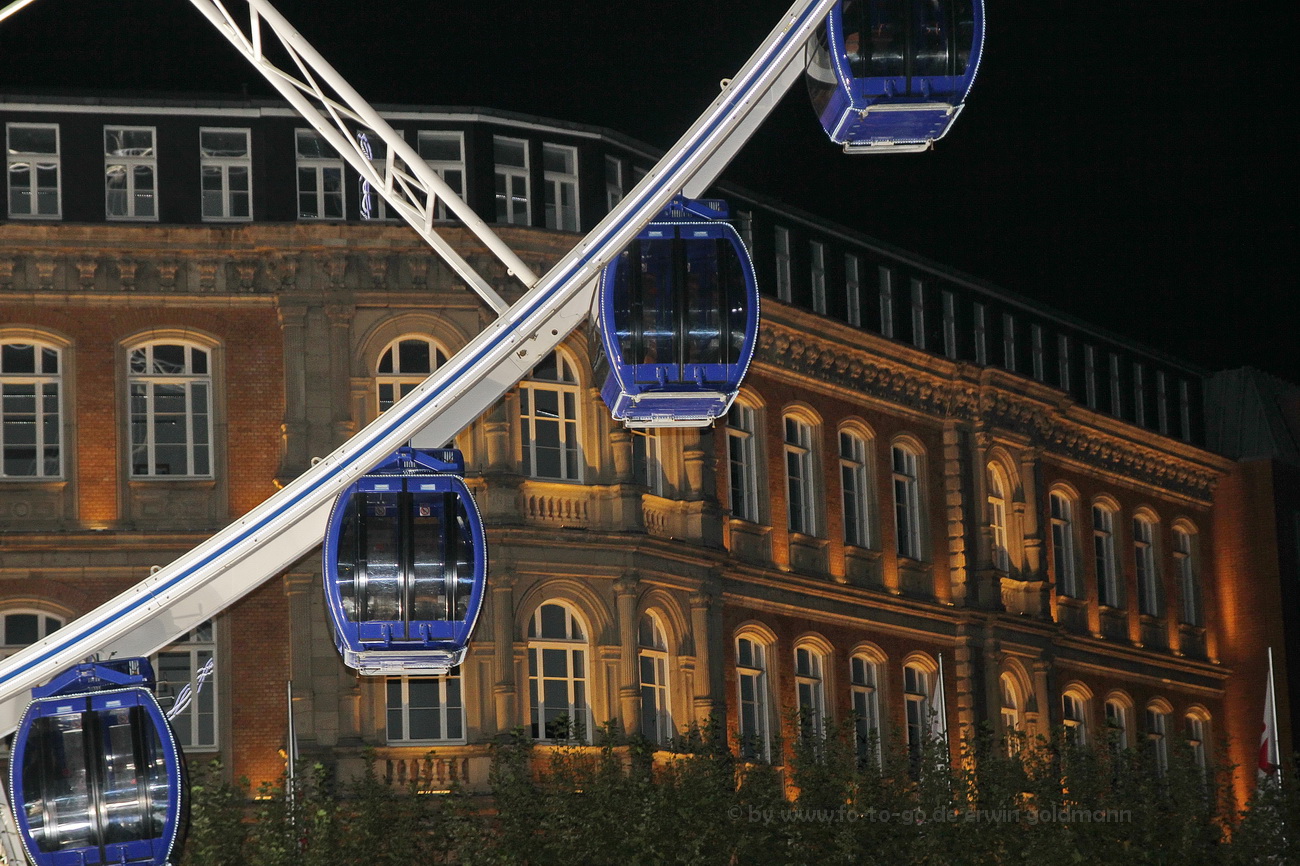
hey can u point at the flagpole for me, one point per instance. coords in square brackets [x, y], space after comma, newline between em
[1272, 707]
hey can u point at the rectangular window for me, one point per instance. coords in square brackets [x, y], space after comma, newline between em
[1103, 547]
[800, 496]
[169, 389]
[866, 708]
[1157, 727]
[1139, 396]
[187, 677]
[1009, 342]
[647, 465]
[918, 314]
[907, 503]
[745, 225]
[1063, 555]
[1063, 362]
[817, 271]
[226, 168]
[425, 710]
[1116, 396]
[513, 205]
[743, 459]
[1185, 410]
[130, 173]
[33, 167]
[30, 411]
[1090, 376]
[613, 182]
[1040, 365]
[320, 178]
[916, 695]
[886, 302]
[1189, 588]
[981, 335]
[443, 150]
[1162, 402]
[950, 325]
[372, 204]
[751, 683]
[811, 693]
[855, 486]
[784, 287]
[853, 289]
[560, 184]
[1144, 562]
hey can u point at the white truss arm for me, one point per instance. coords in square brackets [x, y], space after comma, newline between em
[286, 527]
[337, 111]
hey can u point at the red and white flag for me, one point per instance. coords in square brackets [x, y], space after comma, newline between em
[1269, 757]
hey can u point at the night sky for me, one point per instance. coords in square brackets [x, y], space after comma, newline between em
[1131, 164]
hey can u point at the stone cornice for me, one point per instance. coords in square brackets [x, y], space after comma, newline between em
[993, 400]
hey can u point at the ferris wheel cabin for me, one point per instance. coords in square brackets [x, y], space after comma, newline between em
[96, 776]
[678, 319]
[890, 76]
[405, 561]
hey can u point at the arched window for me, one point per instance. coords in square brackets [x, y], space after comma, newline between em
[855, 488]
[404, 364]
[1189, 584]
[1198, 730]
[1074, 716]
[1158, 736]
[169, 386]
[1103, 547]
[864, 675]
[917, 685]
[557, 674]
[1012, 709]
[755, 707]
[656, 716]
[1144, 561]
[20, 628]
[800, 478]
[742, 455]
[1065, 559]
[997, 499]
[189, 663]
[31, 410]
[1117, 722]
[810, 689]
[907, 501]
[548, 420]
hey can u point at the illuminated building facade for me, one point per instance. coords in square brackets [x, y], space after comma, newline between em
[196, 299]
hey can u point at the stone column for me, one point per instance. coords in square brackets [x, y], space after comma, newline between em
[706, 630]
[629, 690]
[297, 589]
[1031, 515]
[502, 585]
[340, 364]
[294, 457]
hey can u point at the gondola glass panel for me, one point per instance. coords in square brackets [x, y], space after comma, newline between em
[97, 776]
[405, 561]
[678, 319]
[892, 75]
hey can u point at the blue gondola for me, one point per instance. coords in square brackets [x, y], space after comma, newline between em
[405, 564]
[96, 775]
[678, 319]
[890, 76]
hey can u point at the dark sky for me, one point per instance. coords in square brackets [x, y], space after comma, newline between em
[1132, 164]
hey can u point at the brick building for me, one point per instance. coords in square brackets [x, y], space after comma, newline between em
[197, 298]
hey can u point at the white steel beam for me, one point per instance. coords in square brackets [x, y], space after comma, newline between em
[286, 527]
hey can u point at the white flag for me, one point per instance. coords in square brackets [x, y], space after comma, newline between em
[939, 708]
[1269, 757]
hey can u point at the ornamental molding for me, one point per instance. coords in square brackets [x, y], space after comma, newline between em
[1052, 422]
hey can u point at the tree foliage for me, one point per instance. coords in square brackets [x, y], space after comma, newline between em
[834, 801]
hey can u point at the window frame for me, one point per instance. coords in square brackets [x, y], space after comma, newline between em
[568, 420]
[908, 533]
[448, 169]
[857, 505]
[864, 696]
[1104, 556]
[800, 475]
[660, 688]
[1145, 565]
[1012, 705]
[743, 462]
[781, 251]
[810, 690]
[1157, 736]
[999, 534]
[755, 673]
[402, 382]
[365, 138]
[1117, 720]
[578, 685]
[1074, 716]
[34, 161]
[130, 164]
[43, 629]
[1065, 556]
[554, 185]
[817, 275]
[647, 459]
[39, 381]
[187, 380]
[506, 176]
[918, 695]
[445, 709]
[193, 644]
[614, 186]
[225, 164]
[1187, 566]
[321, 168]
[853, 289]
